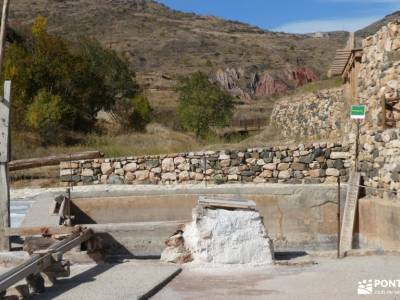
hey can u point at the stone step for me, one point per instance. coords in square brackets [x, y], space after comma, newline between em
[346, 235]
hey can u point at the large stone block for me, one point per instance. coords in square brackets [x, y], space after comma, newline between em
[339, 155]
[168, 164]
[130, 167]
[298, 166]
[283, 166]
[106, 168]
[332, 172]
[317, 173]
[284, 174]
[142, 175]
[168, 176]
[87, 172]
[270, 166]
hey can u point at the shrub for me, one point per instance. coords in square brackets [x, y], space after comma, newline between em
[141, 112]
[132, 113]
[48, 115]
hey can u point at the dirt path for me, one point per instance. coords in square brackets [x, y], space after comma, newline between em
[329, 279]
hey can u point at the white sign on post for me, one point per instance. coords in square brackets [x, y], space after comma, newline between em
[4, 123]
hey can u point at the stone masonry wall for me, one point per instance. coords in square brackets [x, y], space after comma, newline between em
[379, 75]
[314, 163]
[380, 162]
[379, 86]
[314, 115]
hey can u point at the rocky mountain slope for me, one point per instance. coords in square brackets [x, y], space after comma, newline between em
[161, 44]
[374, 27]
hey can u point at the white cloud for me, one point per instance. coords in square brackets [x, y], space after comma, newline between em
[349, 24]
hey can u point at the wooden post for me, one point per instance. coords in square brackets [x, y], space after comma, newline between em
[4, 159]
[338, 216]
[357, 145]
[3, 28]
[5, 106]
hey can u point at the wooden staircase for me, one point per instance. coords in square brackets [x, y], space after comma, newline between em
[346, 234]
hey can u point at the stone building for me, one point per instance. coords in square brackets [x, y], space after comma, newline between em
[371, 77]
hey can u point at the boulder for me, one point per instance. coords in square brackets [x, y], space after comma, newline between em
[114, 179]
[106, 168]
[142, 175]
[130, 167]
[168, 165]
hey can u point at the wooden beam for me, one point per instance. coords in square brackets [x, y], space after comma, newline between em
[3, 28]
[5, 104]
[52, 160]
[42, 261]
[30, 231]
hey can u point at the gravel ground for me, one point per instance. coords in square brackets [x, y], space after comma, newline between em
[329, 279]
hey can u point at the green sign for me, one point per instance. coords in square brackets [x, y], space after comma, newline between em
[358, 111]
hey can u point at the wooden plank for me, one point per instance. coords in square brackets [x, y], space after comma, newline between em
[40, 262]
[227, 203]
[4, 127]
[346, 234]
[52, 160]
[5, 105]
[4, 207]
[4, 158]
[3, 29]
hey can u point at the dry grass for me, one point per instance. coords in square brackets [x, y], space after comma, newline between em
[156, 140]
[35, 178]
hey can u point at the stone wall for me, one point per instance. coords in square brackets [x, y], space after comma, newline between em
[380, 162]
[310, 115]
[314, 163]
[379, 75]
[379, 89]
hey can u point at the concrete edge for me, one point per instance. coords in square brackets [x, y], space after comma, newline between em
[354, 253]
[129, 190]
[159, 286]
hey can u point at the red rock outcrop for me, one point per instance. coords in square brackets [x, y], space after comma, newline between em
[266, 85]
[301, 75]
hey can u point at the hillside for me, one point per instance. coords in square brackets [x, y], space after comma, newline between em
[161, 44]
[374, 27]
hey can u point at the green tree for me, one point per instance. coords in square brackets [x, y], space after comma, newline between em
[203, 105]
[84, 77]
[130, 109]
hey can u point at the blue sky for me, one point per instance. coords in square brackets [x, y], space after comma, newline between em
[296, 16]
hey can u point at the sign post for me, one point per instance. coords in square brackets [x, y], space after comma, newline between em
[358, 113]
